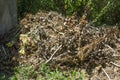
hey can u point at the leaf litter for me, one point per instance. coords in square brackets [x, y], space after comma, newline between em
[69, 43]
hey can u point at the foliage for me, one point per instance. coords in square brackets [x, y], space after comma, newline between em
[102, 11]
[97, 11]
[44, 73]
[33, 6]
[2, 77]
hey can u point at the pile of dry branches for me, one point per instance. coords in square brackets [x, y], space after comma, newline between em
[66, 43]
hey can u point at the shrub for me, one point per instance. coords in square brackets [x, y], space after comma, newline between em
[97, 11]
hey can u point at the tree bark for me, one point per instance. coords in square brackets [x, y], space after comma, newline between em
[8, 15]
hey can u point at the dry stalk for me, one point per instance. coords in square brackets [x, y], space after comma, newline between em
[106, 74]
[84, 51]
[53, 54]
[114, 55]
[110, 48]
[115, 64]
[98, 77]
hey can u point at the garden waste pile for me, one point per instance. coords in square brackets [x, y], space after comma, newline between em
[69, 43]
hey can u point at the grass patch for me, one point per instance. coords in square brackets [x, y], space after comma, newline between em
[44, 73]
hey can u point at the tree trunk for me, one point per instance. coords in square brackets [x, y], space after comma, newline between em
[8, 15]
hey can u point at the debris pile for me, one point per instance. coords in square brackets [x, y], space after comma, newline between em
[66, 43]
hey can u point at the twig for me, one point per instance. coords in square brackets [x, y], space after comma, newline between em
[63, 54]
[97, 77]
[110, 48]
[106, 74]
[114, 55]
[53, 54]
[4, 50]
[115, 64]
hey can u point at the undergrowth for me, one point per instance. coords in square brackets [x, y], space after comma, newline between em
[97, 11]
[27, 72]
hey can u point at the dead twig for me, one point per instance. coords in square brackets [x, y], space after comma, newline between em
[110, 47]
[97, 77]
[115, 64]
[4, 50]
[58, 57]
[53, 54]
[115, 55]
[106, 74]
[84, 51]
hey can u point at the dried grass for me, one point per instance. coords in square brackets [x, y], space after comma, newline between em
[83, 45]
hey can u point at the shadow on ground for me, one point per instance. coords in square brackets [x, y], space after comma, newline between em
[8, 53]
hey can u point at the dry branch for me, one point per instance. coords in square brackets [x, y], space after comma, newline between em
[53, 54]
[106, 74]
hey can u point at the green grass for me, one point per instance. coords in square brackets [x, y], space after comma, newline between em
[44, 73]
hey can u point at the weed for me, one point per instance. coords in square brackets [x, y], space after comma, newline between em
[44, 73]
